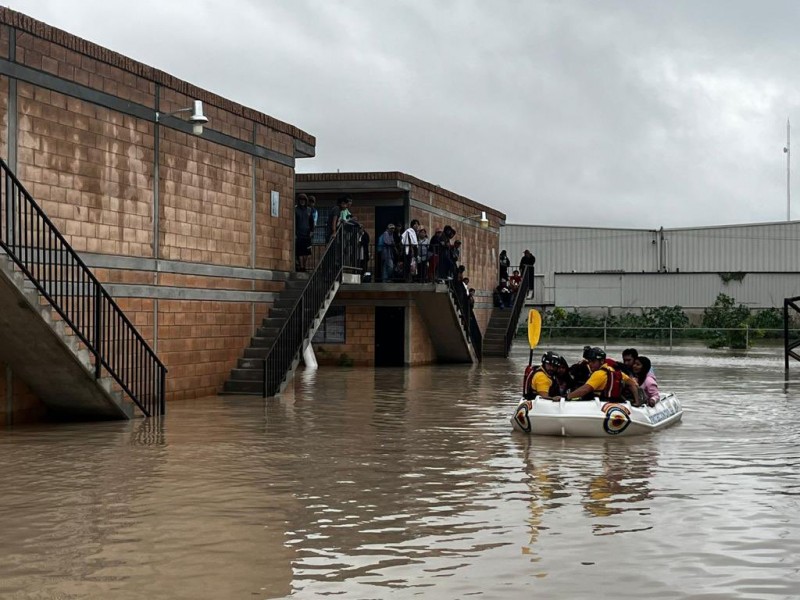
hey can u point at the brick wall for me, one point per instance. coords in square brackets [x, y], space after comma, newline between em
[359, 343]
[200, 343]
[90, 169]
[93, 170]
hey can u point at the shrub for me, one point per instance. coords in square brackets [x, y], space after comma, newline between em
[730, 320]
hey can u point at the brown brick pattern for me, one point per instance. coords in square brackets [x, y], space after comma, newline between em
[359, 338]
[54, 50]
[90, 169]
[274, 235]
[206, 197]
[4, 115]
[200, 343]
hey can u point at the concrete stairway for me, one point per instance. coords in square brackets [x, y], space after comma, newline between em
[248, 376]
[495, 335]
[45, 353]
[444, 326]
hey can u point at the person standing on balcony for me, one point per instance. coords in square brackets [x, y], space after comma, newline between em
[303, 227]
[386, 247]
[424, 255]
[505, 264]
[528, 260]
[410, 250]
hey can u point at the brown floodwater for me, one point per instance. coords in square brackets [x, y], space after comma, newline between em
[365, 483]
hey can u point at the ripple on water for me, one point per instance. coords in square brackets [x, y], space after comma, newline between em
[364, 482]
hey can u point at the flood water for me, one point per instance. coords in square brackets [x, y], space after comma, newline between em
[370, 483]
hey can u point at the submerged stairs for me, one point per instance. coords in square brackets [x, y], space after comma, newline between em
[248, 376]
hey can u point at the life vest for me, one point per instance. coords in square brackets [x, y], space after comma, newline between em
[613, 387]
[527, 385]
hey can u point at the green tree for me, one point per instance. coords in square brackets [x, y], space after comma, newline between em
[730, 322]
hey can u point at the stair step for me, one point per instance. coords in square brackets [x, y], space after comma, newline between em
[261, 342]
[247, 375]
[269, 332]
[256, 353]
[251, 363]
[243, 387]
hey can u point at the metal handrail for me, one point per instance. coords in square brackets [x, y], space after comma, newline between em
[516, 309]
[35, 245]
[789, 346]
[340, 254]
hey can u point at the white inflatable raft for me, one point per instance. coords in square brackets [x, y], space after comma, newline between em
[594, 418]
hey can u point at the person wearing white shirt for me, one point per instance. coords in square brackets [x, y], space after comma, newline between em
[410, 250]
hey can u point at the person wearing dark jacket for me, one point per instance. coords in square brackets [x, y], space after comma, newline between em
[527, 260]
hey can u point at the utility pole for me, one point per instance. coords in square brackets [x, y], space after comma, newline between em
[788, 151]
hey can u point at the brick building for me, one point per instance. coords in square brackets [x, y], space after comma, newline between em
[366, 311]
[180, 227]
[192, 235]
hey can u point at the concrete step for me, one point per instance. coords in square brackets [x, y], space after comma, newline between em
[261, 342]
[252, 353]
[269, 332]
[247, 375]
[255, 388]
[250, 363]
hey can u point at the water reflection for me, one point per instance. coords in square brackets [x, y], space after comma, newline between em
[365, 482]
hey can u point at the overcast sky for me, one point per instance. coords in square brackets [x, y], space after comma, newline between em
[585, 112]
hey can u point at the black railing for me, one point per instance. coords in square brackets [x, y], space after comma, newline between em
[789, 346]
[525, 285]
[340, 254]
[475, 336]
[31, 240]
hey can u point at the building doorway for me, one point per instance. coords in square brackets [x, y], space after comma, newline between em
[390, 336]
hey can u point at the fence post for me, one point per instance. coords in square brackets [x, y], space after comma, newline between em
[605, 332]
[746, 335]
[670, 335]
[97, 333]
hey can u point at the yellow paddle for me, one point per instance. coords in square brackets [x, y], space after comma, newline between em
[534, 327]
[534, 331]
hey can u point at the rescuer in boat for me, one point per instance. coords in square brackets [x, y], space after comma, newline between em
[604, 382]
[539, 381]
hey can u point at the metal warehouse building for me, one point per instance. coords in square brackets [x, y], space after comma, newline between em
[590, 267]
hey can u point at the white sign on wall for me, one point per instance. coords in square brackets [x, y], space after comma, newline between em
[275, 203]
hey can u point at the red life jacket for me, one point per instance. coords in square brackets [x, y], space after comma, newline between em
[613, 388]
[527, 383]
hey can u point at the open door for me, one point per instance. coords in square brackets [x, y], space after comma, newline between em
[390, 336]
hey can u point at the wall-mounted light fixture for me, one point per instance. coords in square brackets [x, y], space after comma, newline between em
[197, 118]
[483, 220]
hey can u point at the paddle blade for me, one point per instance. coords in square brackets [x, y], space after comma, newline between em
[534, 327]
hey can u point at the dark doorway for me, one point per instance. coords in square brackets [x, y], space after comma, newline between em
[383, 216]
[390, 336]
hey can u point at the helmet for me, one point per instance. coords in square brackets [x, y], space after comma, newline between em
[594, 354]
[551, 358]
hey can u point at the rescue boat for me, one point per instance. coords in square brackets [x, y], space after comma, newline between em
[589, 418]
[594, 418]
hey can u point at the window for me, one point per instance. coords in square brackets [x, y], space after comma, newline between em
[332, 329]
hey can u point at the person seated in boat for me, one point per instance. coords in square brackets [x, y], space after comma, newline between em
[540, 381]
[646, 379]
[580, 371]
[628, 356]
[605, 382]
[563, 380]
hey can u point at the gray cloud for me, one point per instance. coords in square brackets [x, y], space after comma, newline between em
[615, 113]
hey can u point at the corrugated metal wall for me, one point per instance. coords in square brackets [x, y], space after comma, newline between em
[757, 248]
[749, 248]
[689, 290]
